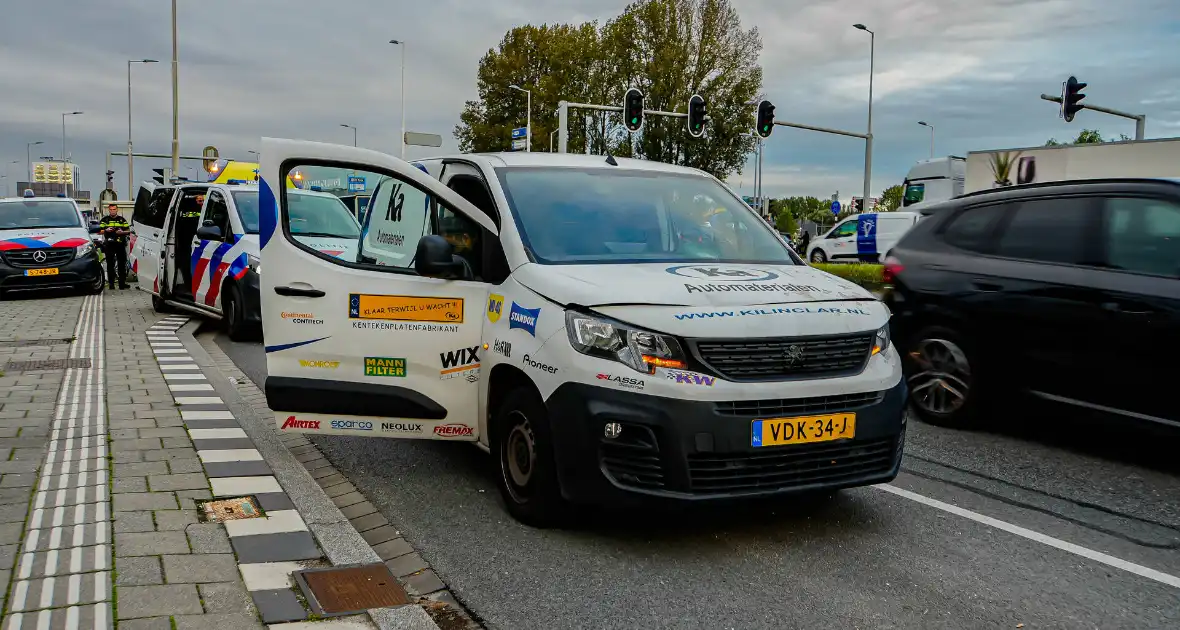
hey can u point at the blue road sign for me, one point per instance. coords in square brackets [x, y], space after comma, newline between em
[520, 132]
[835, 207]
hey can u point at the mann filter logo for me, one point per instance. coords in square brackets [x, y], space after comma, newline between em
[495, 307]
[292, 423]
[523, 318]
[453, 430]
[385, 366]
[719, 273]
[461, 362]
[326, 365]
[406, 308]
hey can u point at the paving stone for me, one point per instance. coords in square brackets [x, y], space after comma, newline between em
[166, 432]
[422, 582]
[393, 548]
[126, 522]
[129, 484]
[138, 571]
[145, 501]
[171, 520]
[208, 538]
[376, 535]
[282, 547]
[225, 597]
[150, 544]
[141, 469]
[406, 564]
[10, 533]
[229, 621]
[151, 623]
[196, 568]
[153, 601]
[185, 481]
[190, 497]
[339, 489]
[181, 466]
[358, 510]
[277, 606]
[346, 500]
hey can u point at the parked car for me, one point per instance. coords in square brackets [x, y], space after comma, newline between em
[1069, 291]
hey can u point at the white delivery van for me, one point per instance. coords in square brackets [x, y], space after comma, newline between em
[864, 237]
[46, 243]
[609, 329]
[208, 262]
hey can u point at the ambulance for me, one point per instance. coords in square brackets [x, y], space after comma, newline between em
[610, 330]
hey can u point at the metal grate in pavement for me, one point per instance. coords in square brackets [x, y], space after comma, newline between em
[231, 509]
[47, 364]
[351, 589]
[24, 343]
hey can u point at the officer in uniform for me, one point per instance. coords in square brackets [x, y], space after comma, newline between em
[114, 230]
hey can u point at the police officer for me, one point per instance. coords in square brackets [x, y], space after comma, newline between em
[114, 231]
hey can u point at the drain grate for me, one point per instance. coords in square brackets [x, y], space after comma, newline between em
[234, 509]
[349, 590]
[24, 343]
[47, 364]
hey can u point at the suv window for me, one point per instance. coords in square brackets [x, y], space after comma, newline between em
[217, 213]
[972, 228]
[151, 207]
[1143, 236]
[1049, 230]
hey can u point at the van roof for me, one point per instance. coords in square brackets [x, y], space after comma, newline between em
[578, 160]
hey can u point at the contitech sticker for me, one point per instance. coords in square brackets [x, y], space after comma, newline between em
[292, 423]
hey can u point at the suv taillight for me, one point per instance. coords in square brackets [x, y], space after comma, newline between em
[893, 267]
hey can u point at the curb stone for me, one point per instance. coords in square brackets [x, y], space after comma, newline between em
[323, 497]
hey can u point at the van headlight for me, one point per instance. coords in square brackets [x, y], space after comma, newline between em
[639, 350]
[82, 250]
[255, 264]
[881, 340]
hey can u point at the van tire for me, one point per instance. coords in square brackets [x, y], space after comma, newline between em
[531, 491]
[818, 256]
[234, 315]
[159, 305]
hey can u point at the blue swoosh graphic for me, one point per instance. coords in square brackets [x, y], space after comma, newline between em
[288, 346]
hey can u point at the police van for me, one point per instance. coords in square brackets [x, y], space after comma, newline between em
[194, 247]
[866, 237]
[47, 243]
[608, 329]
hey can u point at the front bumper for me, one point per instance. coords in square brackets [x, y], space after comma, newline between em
[697, 451]
[83, 271]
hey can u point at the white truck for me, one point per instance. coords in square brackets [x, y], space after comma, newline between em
[931, 181]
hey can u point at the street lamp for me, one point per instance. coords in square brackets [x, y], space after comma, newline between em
[869, 133]
[130, 158]
[175, 94]
[401, 43]
[29, 158]
[528, 125]
[926, 124]
[353, 132]
[254, 153]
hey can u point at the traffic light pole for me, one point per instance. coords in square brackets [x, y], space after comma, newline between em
[1140, 119]
[563, 108]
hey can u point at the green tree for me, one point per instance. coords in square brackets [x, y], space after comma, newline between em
[785, 222]
[891, 198]
[1086, 136]
[669, 49]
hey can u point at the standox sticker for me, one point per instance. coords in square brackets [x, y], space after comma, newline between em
[453, 430]
[292, 423]
[523, 318]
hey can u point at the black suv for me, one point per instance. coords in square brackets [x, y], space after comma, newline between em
[1069, 291]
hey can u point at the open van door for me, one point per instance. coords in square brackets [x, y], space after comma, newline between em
[356, 348]
[147, 234]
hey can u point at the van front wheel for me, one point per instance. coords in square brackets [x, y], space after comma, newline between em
[526, 474]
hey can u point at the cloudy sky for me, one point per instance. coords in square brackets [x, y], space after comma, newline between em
[296, 68]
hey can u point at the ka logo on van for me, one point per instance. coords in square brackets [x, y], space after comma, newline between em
[495, 307]
[725, 273]
[523, 318]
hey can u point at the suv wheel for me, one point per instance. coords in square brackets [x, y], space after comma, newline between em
[818, 256]
[939, 371]
[523, 450]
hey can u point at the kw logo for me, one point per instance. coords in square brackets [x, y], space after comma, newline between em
[393, 212]
[292, 423]
[329, 365]
[691, 379]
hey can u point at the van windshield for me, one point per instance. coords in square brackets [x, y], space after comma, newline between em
[24, 214]
[616, 215]
[913, 194]
[311, 214]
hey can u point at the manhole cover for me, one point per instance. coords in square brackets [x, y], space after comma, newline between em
[47, 364]
[231, 509]
[22, 343]
[348, 590]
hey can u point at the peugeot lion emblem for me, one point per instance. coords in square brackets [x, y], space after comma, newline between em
[793, 356]
[39, 257]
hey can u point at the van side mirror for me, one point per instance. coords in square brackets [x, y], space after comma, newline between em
[94, 228]
[435, 258]
[209, 233]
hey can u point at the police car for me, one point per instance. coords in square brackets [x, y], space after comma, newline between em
[195, 247]
[46, 242]
[608, 329]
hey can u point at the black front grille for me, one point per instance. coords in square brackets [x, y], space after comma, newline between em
[633, 459]
[788, 357]
[787, 467]
[786, 407]
[24, 258]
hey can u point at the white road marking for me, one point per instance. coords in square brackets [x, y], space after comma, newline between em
[190, 387]
[172, 367]
[170, 351]
[230, 455]
[266, 576]
[184, 377]
[216, 434]
[237, 486]
[206, 415]
[1029, 534]
[198, 400]
[275, 522]
[182, 359]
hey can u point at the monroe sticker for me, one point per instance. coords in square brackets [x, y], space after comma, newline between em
[406, 308]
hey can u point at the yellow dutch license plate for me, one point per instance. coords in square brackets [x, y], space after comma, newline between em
[802, 430]
[41, 272]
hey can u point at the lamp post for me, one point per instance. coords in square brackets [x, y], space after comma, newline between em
[130, 158]
[64, 186]
[926, 124]
[869, 133]
[353, 132]
[29, 158]
[175, 95]
[528, 125]
[402, 142]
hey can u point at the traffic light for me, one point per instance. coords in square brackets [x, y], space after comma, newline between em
[159, 175]
[633, 110]
[1071, 97]
[765, 119]
[697, 111]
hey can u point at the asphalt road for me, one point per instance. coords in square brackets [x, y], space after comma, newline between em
[863, 558]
